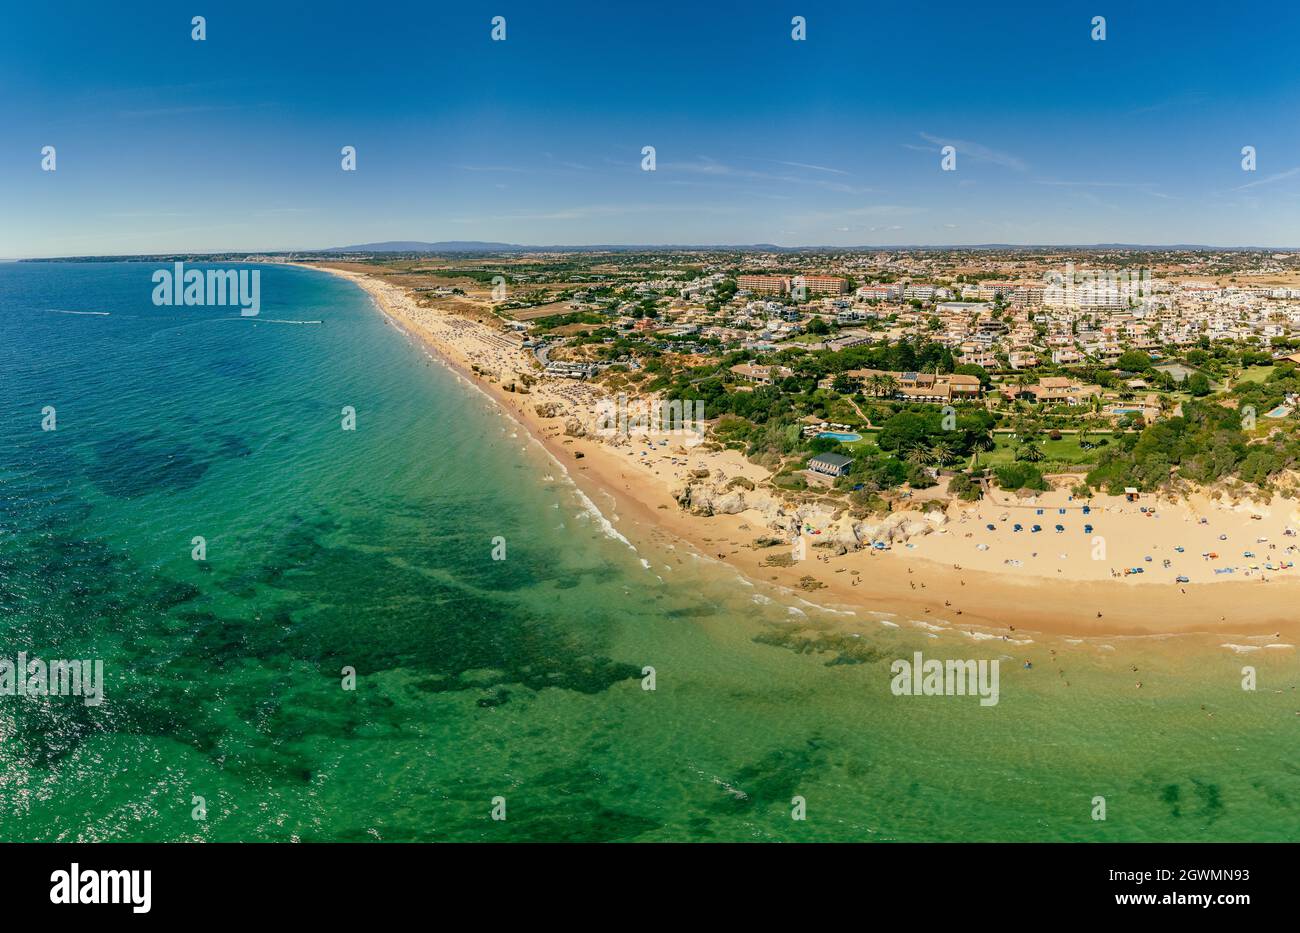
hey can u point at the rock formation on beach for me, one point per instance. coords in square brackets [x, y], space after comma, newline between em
[839, 530]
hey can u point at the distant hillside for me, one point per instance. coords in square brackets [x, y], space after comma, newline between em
[415, 246]
[478, 246]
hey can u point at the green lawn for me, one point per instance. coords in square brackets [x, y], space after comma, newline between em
[1067, 450]
[868, 437]
[1255, 373]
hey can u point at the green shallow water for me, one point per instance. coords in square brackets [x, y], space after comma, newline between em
[478, 678]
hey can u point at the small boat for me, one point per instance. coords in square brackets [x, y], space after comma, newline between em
[1182, 579]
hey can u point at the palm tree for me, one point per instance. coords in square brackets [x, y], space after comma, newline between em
[919, 457]
[941, 453]
[1030, 453]
[883, 384]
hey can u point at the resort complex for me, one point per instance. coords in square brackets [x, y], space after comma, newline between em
[963, 369]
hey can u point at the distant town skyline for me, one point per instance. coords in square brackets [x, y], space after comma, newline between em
[234, 143]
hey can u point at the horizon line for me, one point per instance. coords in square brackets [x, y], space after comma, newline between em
[484, 246]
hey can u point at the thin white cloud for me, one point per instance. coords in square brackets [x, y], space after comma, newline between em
[1279, 176]
[175, 111]
[704, 165]
[978, 152]
[1145, 187]
[810, 167]
[492, 168]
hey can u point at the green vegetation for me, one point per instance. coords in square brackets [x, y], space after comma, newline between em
[1020, 476]
[1210, 442]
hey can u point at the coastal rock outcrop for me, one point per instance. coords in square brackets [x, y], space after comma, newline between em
[706, 499]
[705, 493]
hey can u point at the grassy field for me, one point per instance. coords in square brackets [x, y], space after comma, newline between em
[1255, 373]
[1067, 450]
[868, 437]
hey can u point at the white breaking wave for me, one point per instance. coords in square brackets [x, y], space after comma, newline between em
[604, 523]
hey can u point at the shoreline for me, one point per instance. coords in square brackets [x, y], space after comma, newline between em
[940, 587]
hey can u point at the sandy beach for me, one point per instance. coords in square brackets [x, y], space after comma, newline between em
[971, 570]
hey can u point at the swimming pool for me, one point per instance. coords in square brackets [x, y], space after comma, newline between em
[841, 436]
[1280, 412]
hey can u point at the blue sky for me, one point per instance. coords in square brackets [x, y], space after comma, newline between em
[233, 143]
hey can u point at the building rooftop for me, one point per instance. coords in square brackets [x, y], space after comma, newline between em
[832, 460]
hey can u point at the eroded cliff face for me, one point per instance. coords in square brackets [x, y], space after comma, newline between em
[714, 495]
